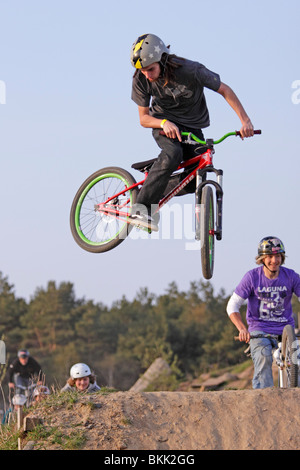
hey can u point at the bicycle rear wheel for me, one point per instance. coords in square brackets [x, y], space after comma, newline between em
[99, 211]
[207, 235]
[289, 357]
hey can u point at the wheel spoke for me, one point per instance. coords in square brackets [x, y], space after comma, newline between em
[94, 228]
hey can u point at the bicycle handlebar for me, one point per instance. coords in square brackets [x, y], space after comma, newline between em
[195, 138]
[259, 335]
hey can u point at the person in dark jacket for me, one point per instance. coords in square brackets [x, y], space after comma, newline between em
[24, 366]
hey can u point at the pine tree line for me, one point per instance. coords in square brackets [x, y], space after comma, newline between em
[190, 330]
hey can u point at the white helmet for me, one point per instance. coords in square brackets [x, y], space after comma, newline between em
[79, 370]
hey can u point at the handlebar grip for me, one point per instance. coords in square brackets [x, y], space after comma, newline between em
[258, 131]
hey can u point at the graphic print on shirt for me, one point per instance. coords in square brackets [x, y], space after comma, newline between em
[179, 91]
[271, 306]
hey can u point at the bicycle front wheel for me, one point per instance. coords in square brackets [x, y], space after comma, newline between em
[289, 357]
[207, 234]
[100, 210]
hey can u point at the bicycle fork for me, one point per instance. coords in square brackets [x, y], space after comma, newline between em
[201, 181]
[279, 363]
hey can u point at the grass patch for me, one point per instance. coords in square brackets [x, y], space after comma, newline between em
[9, 437]
[44, 437]
[48, 436]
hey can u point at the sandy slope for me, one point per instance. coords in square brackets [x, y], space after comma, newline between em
[220, 420]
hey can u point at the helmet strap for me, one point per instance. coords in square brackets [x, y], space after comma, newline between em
[272, 272]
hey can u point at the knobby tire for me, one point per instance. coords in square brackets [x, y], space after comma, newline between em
[207, 237]
[289, 356]
[99, 231]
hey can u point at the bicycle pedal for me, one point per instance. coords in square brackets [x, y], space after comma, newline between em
[145, 229]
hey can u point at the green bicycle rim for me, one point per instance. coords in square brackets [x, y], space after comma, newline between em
[79, 204]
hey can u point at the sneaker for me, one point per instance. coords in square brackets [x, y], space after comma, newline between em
[144, 221]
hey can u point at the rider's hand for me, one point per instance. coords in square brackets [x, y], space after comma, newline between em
[244, 335]
[11, 385]
[171, 130]
[247, 129]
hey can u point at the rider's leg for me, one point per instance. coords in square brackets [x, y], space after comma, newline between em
[189, 151]
[144, 212]
[159, 174]
[171, 155]
[261, 353]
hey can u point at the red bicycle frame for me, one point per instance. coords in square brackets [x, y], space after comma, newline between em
[202, 161]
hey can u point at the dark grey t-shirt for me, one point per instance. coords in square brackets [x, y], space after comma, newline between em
[181, 101]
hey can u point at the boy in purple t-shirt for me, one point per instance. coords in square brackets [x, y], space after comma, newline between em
[269, 290]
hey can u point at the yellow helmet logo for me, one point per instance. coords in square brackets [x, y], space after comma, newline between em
[138, 46]
[138, 64]
[136, 55]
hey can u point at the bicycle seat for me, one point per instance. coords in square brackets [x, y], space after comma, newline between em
[143, 166]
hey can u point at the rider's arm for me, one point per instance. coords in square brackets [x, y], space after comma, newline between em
[231, 98]
[169, 128]
[233, 310]
[12, 369]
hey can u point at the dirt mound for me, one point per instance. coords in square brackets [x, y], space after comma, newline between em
[216, 420]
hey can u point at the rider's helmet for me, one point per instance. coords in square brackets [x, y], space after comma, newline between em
[80, 370]
[146, 50]
[23, 353]
[270, 246]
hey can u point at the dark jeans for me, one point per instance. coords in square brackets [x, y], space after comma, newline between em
[171, 155]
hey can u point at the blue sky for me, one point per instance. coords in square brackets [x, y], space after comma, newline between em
[66, 74]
